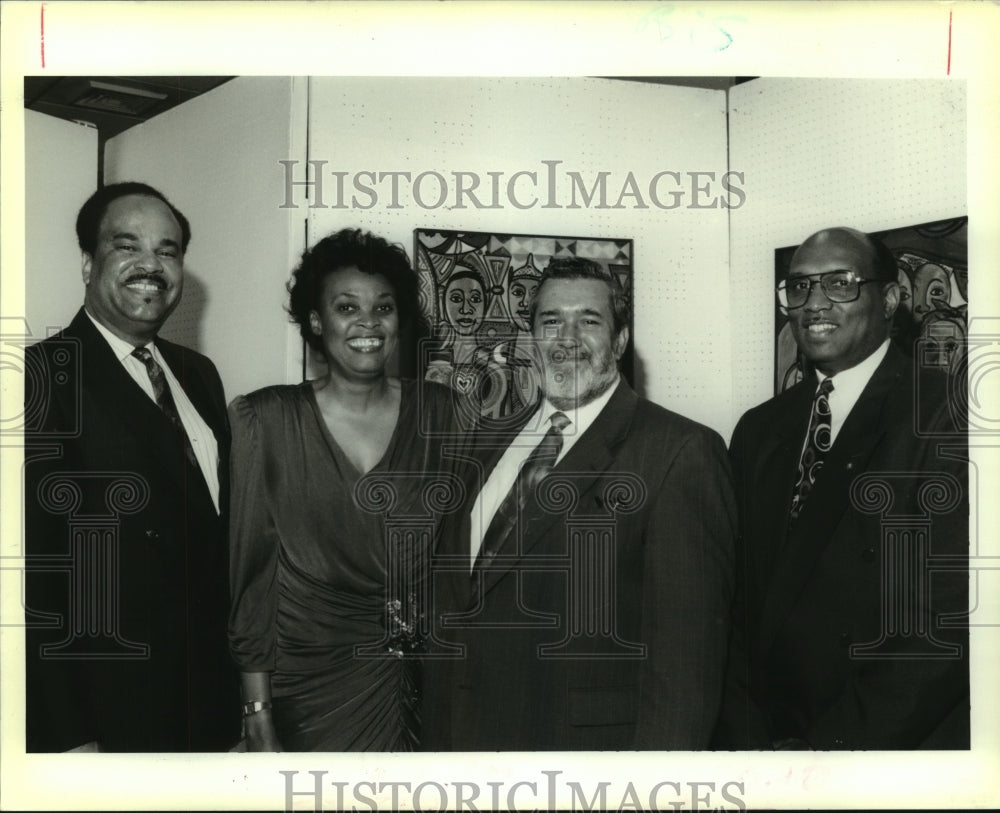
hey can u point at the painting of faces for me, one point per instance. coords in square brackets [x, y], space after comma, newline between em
[931, 320]
[476, 292]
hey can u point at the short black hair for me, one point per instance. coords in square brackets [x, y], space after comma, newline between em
[88, 220]
[884, 265]
[582, 268]
[345, 249]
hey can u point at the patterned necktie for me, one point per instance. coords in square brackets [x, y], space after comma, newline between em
[164, 398]
[819, 439]
[539, 463]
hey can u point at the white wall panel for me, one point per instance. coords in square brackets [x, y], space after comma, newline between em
[449, 125]
[60, 160]
[216, 158]
[869, 153]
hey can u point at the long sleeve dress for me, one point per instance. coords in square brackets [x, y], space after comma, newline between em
[329, 568]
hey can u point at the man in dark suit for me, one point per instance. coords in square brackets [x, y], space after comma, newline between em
[126, 440]
[583, 596]
[852, 488]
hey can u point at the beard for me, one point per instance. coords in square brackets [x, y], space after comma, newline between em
[575, 378]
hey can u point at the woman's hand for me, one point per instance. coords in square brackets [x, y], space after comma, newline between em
[260, 732]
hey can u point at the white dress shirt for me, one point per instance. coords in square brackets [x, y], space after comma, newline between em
[848, 386]
[203, 442]
[504, 475]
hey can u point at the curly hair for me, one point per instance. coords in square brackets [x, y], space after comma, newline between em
[359, 249]
[88, 220]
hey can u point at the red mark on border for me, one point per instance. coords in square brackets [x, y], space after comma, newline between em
[948, 72]
[43, 35]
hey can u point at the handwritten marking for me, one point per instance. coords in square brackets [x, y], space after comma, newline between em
[702, 29]
[42, 43]
[948, 72]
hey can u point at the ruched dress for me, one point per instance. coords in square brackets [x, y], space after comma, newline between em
[329, 568]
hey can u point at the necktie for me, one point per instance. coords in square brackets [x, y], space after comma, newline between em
[539, 463]
[818, 442]
[164, 398]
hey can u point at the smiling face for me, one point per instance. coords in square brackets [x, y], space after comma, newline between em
[520, 292]
[134, 277]
[836, 336]
[574, 325]
[464, 303]
[358, 322]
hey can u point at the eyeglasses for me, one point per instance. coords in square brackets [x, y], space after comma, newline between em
[837, 286]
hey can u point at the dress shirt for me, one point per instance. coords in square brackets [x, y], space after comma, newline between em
[504, 475]
[203, 442]
[848, 386]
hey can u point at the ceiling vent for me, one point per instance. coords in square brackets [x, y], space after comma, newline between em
[114, 98]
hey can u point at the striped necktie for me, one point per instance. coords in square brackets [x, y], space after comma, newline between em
[164, 398]
[539, 463]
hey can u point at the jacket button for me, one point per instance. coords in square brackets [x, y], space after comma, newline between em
[850, 467]
[868, 554]
[152, 535]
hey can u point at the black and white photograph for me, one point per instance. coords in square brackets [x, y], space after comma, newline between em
[498, 406]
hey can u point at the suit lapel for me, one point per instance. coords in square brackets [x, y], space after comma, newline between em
[592, 454]
[105, 374]
[780, 449]
[192, 378]
[857, 441]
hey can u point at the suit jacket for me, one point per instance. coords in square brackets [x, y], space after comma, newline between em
[126, 561]
[603, 624]
[840, 639]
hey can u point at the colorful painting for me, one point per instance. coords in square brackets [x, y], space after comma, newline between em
[476, 292]
[931, 320]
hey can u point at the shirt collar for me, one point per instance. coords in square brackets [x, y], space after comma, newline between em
[581, 417]
[121, 348]
[850, 383]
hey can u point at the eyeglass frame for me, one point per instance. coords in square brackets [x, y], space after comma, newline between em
[814, 279]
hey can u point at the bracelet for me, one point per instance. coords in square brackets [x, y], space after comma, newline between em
[255, 706]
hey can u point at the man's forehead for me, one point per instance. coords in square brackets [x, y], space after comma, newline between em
[135, 207]
[836, 249]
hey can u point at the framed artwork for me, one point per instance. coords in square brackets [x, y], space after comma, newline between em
[931, 320]
[476, 290]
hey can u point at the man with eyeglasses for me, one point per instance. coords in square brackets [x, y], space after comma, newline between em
[852, 491]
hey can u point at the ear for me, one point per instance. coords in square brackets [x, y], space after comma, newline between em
[87, 265]
[620, 343]
[315, 323]
[890, 299]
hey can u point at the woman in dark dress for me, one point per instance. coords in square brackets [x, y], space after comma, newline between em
[329, 587]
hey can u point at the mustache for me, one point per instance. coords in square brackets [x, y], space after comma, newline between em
[560, 355]
[143, 276]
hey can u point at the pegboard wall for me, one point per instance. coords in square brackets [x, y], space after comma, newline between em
[874, 154]
[584, 126]
[869, 153]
